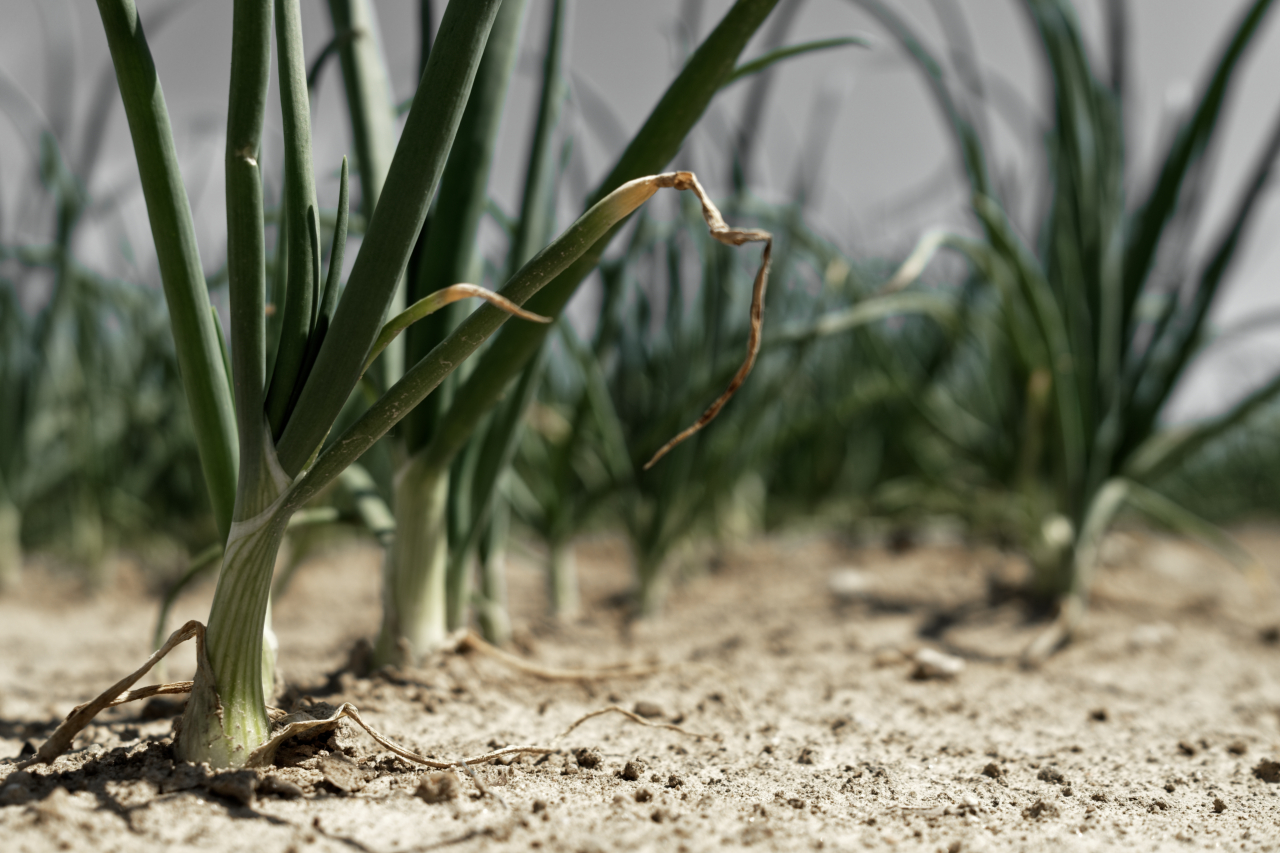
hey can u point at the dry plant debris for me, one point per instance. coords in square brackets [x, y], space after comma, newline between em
[338, 771]
[730, 237]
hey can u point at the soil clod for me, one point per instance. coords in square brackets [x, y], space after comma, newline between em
[237, 785]
[16, 789]
[588, 757]
[1218, 805]
[1050, 774]
[1267, 770]
[644, 795]
[633, 770]
[342, 773]
[992, 770]
[1237, 747]
[273, 784]
[1040, 809]
[439, 787]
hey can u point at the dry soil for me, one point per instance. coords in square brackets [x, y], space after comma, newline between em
[798, 657]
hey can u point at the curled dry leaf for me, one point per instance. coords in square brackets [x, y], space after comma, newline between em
[730, 237]
[119, 693]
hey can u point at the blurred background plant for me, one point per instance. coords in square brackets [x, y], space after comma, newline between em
[1023, 387]
[96, 450]
[1090, 321]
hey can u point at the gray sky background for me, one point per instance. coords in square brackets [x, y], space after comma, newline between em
[888, 172]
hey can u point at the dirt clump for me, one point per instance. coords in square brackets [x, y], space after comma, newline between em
[1050, 774]
[1267, 770]
[439, 787]
[341, 773]
[238, 785]
[588, 758]
[1040, 809]
[633, 770]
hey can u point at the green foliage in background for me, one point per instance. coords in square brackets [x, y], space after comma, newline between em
[1087, 323]
[95, 444]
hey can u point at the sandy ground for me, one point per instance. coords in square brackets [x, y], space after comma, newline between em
[1152, 733]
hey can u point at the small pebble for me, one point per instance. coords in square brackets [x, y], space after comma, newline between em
[648, 710]
[932, 664]
[1151, 636]
[849, 584]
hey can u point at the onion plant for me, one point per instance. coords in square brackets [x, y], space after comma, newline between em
[572, 462]
[415, 605]
[668, 314]
[566, 478]
[417, 615]
[1092, 324]
[270, 453]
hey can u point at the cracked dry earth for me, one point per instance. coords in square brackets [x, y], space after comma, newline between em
[809, 661]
